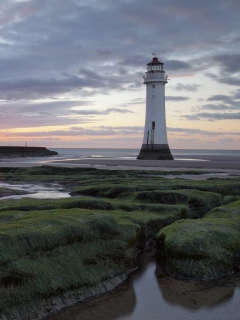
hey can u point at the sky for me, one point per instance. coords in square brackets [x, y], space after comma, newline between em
[71, 72]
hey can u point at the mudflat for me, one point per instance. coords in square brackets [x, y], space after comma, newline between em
[208, 162]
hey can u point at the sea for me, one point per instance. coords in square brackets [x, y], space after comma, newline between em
[131, 154]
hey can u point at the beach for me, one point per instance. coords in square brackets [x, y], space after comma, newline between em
[214, 164]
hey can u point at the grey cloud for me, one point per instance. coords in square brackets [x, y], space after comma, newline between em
[135, 102]
[134, 60]
[226, 140]
[133, 128]
[224, 78]
[34, 114]
[236, 94]
[191, 117]
[84, 48]
[234, 81]
[187, 87]
[230, 63]
[117, 110]
[90, 74]
[65, 133]
[221, 97]
[51, 27]
[18, 120]
[221, 107]
[105, 112]
[57, 107]
[186, 140]
[173, 65]
[188, 131]
[37, 88]
[185, 130]
[227, 102]
[214, 116]
[34, 88]
[176, 98]
[76, 131]
[229, 68]
[53, 108]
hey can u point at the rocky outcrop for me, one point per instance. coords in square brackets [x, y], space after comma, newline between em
[16, 152]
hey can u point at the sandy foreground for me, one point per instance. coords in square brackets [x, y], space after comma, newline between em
[214, 165]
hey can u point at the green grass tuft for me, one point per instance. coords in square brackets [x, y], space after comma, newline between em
[52, 246]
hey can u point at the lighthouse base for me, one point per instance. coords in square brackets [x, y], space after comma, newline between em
[155, 152]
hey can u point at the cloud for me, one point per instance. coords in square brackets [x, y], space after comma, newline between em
[99, 133]
[133, 128]
[79, 131]
[220, 107]
[229, 63]
[236, 94]
[176, 98]
[35, 88]
[187, 87]
[175, 65]
[63, 62]
[221, 97]
[213, 116]
[105, 112]
[186, 140]
[191, 131]
[229, 69]
[227, 103]
[51, 113]
[233, 81]
[226, 140]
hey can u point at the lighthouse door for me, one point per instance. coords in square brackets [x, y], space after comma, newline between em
[152, 133]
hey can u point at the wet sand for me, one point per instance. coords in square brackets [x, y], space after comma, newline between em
[207, 163]
[212, 162]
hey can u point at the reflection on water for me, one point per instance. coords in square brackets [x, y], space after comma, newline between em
[51, 191]
[152, 295]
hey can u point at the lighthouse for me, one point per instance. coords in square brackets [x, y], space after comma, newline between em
[155, 144]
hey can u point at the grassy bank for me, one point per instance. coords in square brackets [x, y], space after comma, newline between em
[203, 248]
[51, 247]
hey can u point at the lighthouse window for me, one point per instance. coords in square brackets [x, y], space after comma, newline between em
[153, 86]
[153, 125]
[153, 96]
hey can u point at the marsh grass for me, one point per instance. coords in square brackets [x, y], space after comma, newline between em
[46, 253]
[50, 247]
[8, 192]
[203, 248]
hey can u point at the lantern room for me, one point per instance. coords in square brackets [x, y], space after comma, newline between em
[155, 65]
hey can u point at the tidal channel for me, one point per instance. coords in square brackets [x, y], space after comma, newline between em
[50, 191]
[151, 295]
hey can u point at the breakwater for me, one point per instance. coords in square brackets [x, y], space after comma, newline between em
[15, 152]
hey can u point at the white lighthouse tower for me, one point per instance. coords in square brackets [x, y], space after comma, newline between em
[155, 144]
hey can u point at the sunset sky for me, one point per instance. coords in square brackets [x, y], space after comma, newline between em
[71, 71]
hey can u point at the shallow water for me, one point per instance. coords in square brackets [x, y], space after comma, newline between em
[51, 191]
[150, 295]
